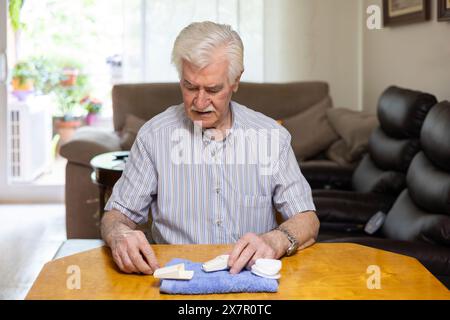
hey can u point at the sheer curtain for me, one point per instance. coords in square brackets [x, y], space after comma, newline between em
[151, 26]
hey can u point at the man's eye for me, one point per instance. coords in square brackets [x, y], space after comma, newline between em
[213, 90]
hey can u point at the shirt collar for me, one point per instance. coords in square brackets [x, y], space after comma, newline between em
[235, 122]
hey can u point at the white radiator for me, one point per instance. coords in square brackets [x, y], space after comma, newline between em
[29, 138]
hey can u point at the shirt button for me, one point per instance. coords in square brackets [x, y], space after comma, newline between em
[217, 190]
[219, 223]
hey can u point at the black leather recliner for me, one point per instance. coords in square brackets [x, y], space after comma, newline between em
[418, 224]
[381, 174]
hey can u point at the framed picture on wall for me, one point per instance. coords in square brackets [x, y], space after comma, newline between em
[443, 10]
[405, 11]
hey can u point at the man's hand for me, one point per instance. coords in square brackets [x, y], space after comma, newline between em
[132, 252]
[247, 250]
[273, 244]
[130, 249]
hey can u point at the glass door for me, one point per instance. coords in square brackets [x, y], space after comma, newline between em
[3, 96]
[10, 191]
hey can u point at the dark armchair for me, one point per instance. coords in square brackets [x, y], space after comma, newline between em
[381, 174]
[418, 224]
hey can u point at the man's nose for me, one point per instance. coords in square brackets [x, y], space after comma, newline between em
[202, 100]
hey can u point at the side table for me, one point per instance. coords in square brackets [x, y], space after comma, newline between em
[108, 168]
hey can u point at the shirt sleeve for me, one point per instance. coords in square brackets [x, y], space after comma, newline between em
[291, 192]
[134, 192]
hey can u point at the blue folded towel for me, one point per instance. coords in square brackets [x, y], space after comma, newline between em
[216, 282]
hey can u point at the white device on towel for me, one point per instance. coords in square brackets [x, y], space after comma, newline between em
[176, 272]
[217, 264]
[267, 268]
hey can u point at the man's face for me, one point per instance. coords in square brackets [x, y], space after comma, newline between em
[207, 93]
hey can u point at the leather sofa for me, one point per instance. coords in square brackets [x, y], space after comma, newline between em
[418, 224]
[298, 104]
[381, 175]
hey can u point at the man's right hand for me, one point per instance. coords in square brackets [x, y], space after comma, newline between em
[130, 249]
[132, 252]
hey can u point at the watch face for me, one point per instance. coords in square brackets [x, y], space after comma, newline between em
[292, 249]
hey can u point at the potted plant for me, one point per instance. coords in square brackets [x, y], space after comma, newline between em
[23, 77]
[69, 99]
[69, 76]
[93, 107]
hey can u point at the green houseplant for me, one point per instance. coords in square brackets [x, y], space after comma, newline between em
[69, 95]
[47, 72]
[23, 78]
[14, 8]
[70, 91]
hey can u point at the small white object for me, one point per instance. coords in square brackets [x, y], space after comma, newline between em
[217, 264]
[176, 272]
[256, 271]
[267, 268]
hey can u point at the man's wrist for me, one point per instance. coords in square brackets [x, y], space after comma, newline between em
[278, 241]
[113, 226]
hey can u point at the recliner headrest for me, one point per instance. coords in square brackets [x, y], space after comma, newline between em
[435, 135]
[401, 112]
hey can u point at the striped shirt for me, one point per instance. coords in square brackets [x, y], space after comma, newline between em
[204, 191]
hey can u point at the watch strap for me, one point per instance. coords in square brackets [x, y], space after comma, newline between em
[291, 238]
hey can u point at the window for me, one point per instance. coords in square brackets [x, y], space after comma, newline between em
[149, 37]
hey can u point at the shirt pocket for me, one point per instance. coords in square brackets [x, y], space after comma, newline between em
[256, 201]
[255, 215]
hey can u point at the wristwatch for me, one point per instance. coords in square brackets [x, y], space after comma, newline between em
[294, 243]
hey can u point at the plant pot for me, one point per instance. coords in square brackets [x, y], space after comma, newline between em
[27, 85]
[70, 76]
[22, 90]
[91, 119]
[66, 130]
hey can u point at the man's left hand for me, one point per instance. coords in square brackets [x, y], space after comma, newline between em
[247, 250]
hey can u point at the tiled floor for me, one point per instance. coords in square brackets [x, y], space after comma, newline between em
[30, 235]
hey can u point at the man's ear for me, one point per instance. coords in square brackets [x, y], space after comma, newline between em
[236, 82]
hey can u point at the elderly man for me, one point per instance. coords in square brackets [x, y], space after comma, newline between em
[216, 201]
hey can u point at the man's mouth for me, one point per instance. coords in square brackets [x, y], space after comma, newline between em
[202, 113]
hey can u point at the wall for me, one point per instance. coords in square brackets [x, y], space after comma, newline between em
[315, 40]
[415, 56]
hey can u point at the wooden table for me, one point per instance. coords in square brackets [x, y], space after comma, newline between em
[323, 271]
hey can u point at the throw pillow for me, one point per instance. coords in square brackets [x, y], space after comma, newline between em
[311, 133]
[337, 152]
[130, 131]
[355, 128]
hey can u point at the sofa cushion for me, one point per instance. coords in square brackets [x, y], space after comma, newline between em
[310, 130]
[434, 136]
[354, 127]
[338, 152]
[369, 178]
[88, 142]
[390, 153]
[428, 185]
[130, 131]
[406, 221]
[401, 111]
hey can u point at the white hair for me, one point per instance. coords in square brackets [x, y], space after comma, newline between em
[198, 42]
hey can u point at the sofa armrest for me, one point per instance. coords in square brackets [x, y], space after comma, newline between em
[88, 142]
[327, 174]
